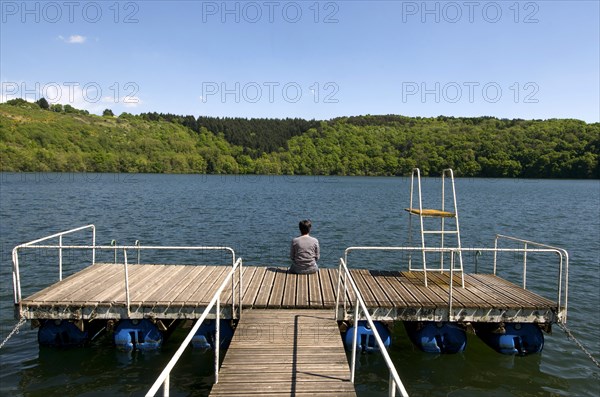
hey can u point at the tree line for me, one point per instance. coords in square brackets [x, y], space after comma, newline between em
[34, 137]
[256, 135]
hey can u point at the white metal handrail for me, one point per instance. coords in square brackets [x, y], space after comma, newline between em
[30, 244]
[163, 378]
[16, 277]
[60, 247]
[395, 384]
[563, 258]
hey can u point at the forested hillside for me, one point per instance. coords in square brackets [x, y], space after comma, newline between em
[60, 139]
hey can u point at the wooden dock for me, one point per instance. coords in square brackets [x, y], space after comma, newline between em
[183, 291]
[285, 353]
[287, 341]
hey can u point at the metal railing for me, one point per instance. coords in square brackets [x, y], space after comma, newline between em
[395, 384]
[563, 268]
[563, 262]
[164, 377]
[113, 247]
[32, 244]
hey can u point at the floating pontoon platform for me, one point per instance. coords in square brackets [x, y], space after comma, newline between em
[184, 291]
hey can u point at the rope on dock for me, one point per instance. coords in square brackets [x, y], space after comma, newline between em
[571, 336]
[14, 331]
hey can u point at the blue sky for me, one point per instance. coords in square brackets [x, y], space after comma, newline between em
[510, 59]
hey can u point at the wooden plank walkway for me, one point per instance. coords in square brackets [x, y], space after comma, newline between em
[285, 353]
[183, 291]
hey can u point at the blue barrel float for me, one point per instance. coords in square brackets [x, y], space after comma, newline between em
[205, 337]
[437, 337]
[511, 338]
[366, 339]
[137, 335]
[61, 333]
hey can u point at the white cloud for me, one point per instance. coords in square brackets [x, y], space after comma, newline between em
[73, 39]
[77, 39]
[131, 101]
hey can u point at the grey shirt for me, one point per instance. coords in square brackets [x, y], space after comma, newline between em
[304, 254]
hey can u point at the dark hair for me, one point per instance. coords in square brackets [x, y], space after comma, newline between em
[305, 226]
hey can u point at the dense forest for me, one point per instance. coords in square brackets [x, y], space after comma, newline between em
[43, 137]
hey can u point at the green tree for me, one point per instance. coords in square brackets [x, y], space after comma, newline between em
[69, 109]
[17, 102]
[20, 102]
[68, 139]
[43, 103]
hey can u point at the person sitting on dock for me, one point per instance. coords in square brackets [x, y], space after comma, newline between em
[304, 251]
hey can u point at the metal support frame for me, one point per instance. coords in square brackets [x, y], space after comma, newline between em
[458, 315]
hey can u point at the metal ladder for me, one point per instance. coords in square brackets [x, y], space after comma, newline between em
[442, 214]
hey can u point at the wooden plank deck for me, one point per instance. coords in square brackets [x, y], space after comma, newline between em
[285, 353]
[183, 291]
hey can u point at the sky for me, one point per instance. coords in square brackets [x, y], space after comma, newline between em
[309, 59]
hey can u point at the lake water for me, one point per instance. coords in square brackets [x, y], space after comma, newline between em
[258, 216]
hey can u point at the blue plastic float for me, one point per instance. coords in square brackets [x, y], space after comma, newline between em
[61, 333]
[366, 339]
[206, 335]
[512, 338]
[137, 335]
[437, 337]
